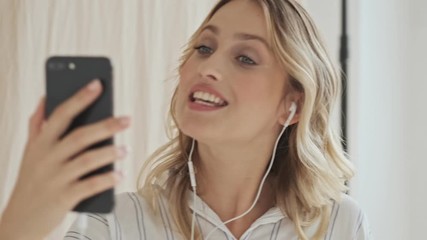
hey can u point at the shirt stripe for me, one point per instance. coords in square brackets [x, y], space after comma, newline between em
[168, 227]
[137, 215]
[360, 222]
[276, 229]
[101, 220]
[79, 235]
[142, 215]
[118, 228]
[335, 213]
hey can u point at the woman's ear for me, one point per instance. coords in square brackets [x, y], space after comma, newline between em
[297, 98]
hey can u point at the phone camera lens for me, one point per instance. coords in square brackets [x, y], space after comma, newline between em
[72, 66]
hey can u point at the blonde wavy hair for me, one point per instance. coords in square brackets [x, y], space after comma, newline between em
[311, 168]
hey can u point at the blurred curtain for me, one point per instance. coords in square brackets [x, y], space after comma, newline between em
[143, 38]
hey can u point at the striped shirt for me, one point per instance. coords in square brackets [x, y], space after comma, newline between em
[133, 219]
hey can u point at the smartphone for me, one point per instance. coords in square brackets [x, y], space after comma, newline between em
[65, 76]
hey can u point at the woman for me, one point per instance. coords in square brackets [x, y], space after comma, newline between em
[252, 114]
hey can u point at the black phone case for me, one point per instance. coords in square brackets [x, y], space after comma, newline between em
[65, 76]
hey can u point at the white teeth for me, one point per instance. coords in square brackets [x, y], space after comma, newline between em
[207, 97]
[205, 103]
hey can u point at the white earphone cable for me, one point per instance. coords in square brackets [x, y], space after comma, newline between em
[193, 185]
[285, 125]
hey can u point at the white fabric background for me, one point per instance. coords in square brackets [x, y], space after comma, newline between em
[143, 38]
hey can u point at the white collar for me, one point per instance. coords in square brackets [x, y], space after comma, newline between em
[273, 215]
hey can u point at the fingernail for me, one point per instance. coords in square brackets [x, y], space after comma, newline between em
[121, 151]
[94, 85]
[124, 121]
[41, 102]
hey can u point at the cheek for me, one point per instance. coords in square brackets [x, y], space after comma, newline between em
[256, 90]
[185, 76]
[188, 68]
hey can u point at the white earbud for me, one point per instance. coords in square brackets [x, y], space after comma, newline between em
[292, 110]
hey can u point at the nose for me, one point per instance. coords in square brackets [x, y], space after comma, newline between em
[211, 67]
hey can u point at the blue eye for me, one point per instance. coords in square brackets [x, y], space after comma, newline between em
[203, 50]
[246, 60]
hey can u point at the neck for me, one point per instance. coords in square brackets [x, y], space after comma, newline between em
[229, 177]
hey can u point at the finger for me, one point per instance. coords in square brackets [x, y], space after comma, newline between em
[37, 119]
[86, 136]
[91, 186]
[92, 160]
[64, 114]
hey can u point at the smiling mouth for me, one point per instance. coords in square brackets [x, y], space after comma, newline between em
[207, 99]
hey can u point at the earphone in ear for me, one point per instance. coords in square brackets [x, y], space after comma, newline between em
[293, 108]
[293, 111]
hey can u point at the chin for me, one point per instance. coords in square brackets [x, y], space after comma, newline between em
[194, 131]
[200, 132]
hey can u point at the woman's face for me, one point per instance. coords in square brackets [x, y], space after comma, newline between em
[232, 65]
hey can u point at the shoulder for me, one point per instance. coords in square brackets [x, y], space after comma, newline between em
[347, 207]
[134, 202]
[129, 201]
[107, 226]
[347, 219]
[131, 218]
[131, 207]
[134, 218]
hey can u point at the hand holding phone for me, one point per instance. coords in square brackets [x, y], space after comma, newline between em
[49, 185]
[64, 77]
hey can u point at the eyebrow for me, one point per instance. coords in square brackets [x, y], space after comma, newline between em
[240, 36]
